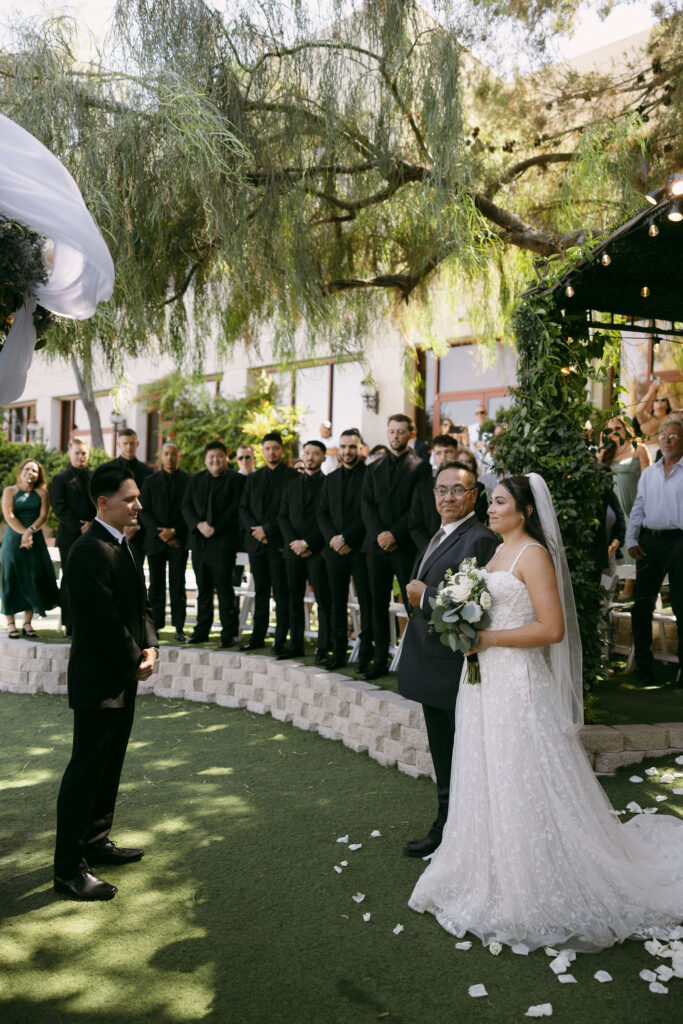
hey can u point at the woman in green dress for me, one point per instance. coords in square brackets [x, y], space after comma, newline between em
[28, 578]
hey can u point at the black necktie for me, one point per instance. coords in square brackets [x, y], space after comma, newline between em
[126, 545]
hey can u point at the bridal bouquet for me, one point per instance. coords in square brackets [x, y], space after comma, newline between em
[460, 609]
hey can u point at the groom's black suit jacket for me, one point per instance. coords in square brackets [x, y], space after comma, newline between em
[428, 671]
[112, 620]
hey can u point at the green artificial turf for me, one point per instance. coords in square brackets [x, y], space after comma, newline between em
[236, 915]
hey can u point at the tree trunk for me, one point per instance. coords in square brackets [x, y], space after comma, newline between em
[84, 384]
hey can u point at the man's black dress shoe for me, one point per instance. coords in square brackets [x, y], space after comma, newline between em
[195, 639]
[375, 671]
[252, 645]
[335, 662]
[420, 847]
[85, 886]
[181, 637]
[320, 657]
[362, 667]
[108, 852]
[283, 653]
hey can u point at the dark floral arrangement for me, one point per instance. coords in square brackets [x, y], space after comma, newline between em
[21, 270]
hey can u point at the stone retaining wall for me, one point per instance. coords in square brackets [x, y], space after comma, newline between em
[364, 717]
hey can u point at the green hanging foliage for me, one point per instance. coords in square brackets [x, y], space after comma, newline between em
[545, 433]
[21, 269]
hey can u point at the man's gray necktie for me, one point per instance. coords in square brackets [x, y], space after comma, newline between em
[433, 544]
[128, 548]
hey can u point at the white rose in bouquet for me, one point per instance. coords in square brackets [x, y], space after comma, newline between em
[460, 591]
[485, 600]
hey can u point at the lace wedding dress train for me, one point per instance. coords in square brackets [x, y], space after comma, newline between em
[532, 852]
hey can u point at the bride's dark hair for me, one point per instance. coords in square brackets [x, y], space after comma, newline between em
[520, 489]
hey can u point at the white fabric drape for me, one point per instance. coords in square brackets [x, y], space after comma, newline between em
[37, 191]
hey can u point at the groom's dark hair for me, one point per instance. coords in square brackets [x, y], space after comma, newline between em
[520, 489]
[107, 479]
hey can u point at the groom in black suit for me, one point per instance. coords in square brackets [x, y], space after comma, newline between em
[428, 671]
[114, 646]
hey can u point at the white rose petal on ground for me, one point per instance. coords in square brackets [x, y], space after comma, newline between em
[567, 979]
[358, 897]
[495, 948]
[656, 986]
[463, 945]
[634, 808]
[375, 834]
[477, 991]
[343, 839]
[679, 760]
[654, 946]
[647, 975]
[560, 964]
[337, 869]
[355, 846]
[366, 917]
[660, 797]
[678, 792]
[520, 950]
[667, 777]
[650, 771]
[541, 1010]
[398, 929]
[650, 810]
[635, 778]
[549, 951]
[602, 976]
[664, 972]
[344, 863]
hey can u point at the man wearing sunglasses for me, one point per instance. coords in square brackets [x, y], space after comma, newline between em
[429, 672]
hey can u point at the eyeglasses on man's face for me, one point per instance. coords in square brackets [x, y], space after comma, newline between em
[458, 491]
[676, 436]
[244, 458]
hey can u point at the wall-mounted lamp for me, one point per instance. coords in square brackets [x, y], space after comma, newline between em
[369, 394]
[118, 422]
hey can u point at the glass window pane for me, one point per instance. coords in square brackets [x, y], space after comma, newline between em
[312, 393]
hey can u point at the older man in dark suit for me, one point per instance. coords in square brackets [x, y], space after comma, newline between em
[211, 511]
[165, 538]
[428, 671]
[71, 503]
[114, 646]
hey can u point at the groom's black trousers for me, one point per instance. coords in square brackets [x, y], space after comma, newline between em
[87, 796]
[440, 724]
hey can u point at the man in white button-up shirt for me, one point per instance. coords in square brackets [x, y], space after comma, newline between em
[655, 540]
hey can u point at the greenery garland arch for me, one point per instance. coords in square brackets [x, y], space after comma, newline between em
[22, 268]
[546, 433]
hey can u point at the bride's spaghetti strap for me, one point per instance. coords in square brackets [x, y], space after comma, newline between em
[531, 544]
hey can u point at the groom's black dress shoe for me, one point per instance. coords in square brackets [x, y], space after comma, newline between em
[85, 886]
[108, 852]
[420, 847]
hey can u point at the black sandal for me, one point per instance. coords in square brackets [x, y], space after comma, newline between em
[13, 634]
[29, 632]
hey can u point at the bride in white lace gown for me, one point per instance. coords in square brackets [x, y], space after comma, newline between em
[532, 853]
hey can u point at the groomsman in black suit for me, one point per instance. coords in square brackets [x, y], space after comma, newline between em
[211, 511]
[128, 446]
[166, 538]
[424, 519]
[70, 499]
[428, 671]
[388, 488]
[343, 529]
[304, 543]
[114, 646]
[259, 511]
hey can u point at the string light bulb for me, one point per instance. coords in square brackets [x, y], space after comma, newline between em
[655, 196]
[565, 371]
[676, 211]
[605, 259]
[569, 291]
[674, 185]
[653, 231]
[645, 291]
